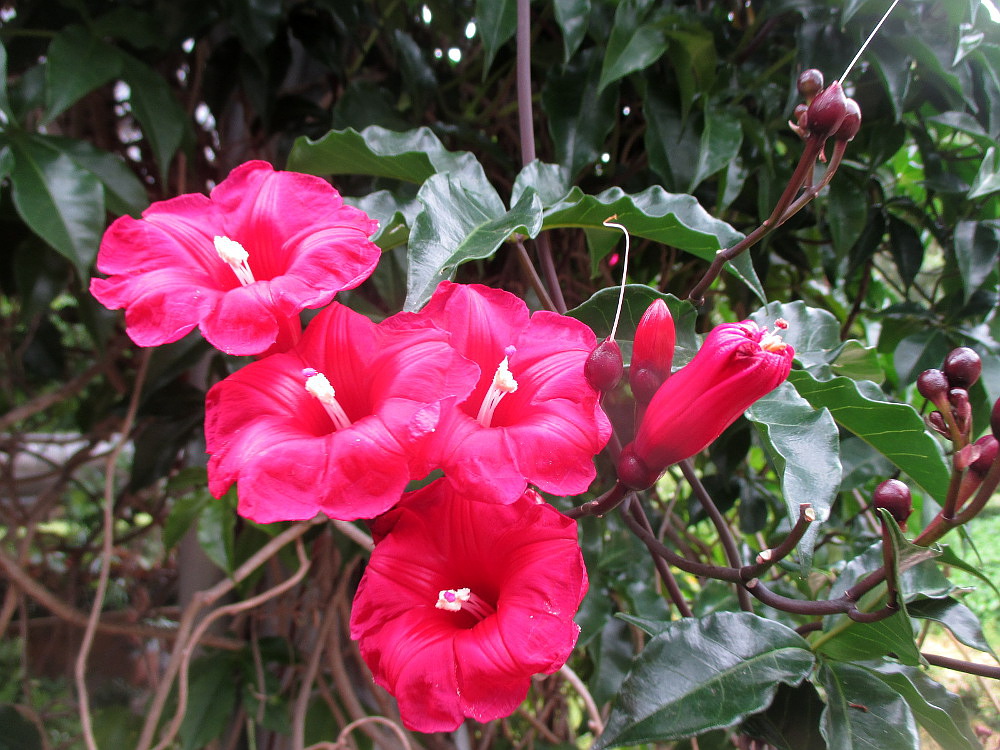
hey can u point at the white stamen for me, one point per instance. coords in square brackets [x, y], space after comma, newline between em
[771, 342]
[503, 383]
[451, 599]
[318, 386]
[233, 253]
[457, 600]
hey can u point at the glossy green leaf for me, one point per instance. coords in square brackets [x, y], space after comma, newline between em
[919, 351]
[632, 46]
[721, 139]
[598, 312]
[550, 181]
[858, 362]
[907, 249]
[412, 156]
[705, 673]
[580, 115]
[182, 516]
[692, 52]
[62, 203]
[161, 117]
[988, 177]
[894, 430]
[6, 113]
[496, 21]
[573, 16]
[212, 697]
[863, 713]
[675, 220]
[394, 216]
[216, 530]
[123, 192]
[791, 722]
[955, 616]
[462, 219]
[938, 711]
[977, 244]
[848, 207]
[804, 444]
[77, 63]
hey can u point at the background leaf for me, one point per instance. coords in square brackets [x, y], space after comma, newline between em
[863, 713]
[675, 687]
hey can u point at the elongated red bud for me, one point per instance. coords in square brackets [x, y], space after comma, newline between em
[995, 420]
[604, 367]
[895, 497]
[962, 367]
[851, 124]
[827, 111]
[810, 83]
[959, 399]
[652, 351]
[933, 385]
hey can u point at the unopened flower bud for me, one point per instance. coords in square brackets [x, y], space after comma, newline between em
[851, 124]
[895, 497]
[987, 453]
[962, 409]
[962, 367]
[827, 111]
[604, 367]
[995, 420]
[810, 83]
[652, 351]
[937, 423]
[933, 385]
[632, 470]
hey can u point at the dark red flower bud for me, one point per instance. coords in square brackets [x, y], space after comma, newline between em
[962, 367]
[933, 385]
[987, 447]
[827, 111]
[604, 367]
[652, 351]
[995, 420]
[851, 124]
[938, 424]
[632, 470]
[895, 497]
[810, 83]
[959, 399]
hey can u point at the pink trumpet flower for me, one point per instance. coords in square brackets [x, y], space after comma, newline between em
[532, 417]
[334, 424]
[241, 264]
[462, 602]
[738, 364]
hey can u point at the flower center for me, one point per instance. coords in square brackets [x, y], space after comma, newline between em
[457, 600]
[503, 383]
[318, 385]
[233, 253]
[771, 342]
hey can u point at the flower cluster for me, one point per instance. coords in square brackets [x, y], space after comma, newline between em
[474, 580]
[474, 573]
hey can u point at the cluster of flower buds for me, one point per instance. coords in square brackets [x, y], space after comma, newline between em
[827, 112]
[948, 389]
[680, 414]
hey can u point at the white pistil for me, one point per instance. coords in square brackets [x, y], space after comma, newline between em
[318, 385]
[456, 600]
[503, 383]
[233, 253]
